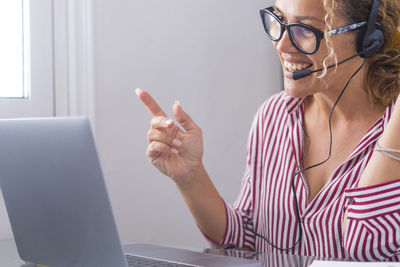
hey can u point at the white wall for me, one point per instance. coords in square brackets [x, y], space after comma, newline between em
[211, 55]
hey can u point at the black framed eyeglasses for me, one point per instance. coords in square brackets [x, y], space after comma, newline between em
[304, 37]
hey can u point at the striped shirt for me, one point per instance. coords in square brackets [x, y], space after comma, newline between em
[266, 201]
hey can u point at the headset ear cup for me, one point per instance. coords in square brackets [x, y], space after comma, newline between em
[360, 41]
[367, 46]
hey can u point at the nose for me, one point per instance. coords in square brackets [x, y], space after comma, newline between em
[285, 44]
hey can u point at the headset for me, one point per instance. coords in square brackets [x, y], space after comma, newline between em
[369, 42]
[370, 38]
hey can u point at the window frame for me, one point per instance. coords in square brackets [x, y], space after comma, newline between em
[40, 100]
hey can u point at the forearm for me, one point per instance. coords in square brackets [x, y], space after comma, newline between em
[205, 204]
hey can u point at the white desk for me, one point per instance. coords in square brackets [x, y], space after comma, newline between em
[9, 258]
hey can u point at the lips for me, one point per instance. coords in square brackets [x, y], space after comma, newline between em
[292, 66]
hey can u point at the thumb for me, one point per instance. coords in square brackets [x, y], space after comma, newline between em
[183, 118]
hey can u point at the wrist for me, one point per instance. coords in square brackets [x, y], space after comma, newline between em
[192, 179]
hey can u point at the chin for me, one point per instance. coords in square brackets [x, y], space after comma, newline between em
[296, 89]
[294, 94]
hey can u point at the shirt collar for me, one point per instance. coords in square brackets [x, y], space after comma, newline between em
[292, 103]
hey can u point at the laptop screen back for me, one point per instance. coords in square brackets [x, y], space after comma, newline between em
[55, 193]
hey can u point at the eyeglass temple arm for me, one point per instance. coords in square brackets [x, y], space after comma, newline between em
[347, 28]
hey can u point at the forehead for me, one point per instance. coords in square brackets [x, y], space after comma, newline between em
[301, 8]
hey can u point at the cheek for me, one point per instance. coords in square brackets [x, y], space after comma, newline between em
[343, 47]
[322, 53]
[318, 59]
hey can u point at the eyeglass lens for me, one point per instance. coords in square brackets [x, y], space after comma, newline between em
[303, 38]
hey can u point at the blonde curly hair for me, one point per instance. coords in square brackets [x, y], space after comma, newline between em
[382, 78]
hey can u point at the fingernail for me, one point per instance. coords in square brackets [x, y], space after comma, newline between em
[175, 151]
[177, 102]
[137, 91]
[177, 142]
[168, 122]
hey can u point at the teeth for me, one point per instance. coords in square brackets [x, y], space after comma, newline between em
[294, 67]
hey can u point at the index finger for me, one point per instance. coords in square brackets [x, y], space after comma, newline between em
[150, 103]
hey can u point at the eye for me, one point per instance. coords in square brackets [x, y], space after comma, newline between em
[306, 33]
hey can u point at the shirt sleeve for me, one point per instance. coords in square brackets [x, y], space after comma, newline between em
[373, 222]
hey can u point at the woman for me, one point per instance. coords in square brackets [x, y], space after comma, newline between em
[316, 181]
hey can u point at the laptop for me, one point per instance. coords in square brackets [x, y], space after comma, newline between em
[58, 205]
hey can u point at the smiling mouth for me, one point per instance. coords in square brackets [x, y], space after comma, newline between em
[292, 67]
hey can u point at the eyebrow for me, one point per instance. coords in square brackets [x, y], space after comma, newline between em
[301, 18]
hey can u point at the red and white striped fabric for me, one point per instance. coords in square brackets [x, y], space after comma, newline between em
[266, 199]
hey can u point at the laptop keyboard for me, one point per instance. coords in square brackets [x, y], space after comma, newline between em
[134, 261]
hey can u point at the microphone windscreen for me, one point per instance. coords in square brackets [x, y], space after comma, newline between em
[301, 74]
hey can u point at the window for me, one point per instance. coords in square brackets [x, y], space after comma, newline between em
[26, 53]
[14, 52]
